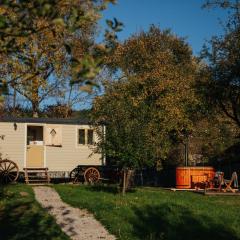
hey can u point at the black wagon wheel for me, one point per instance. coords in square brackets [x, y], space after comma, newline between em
[91, 175]
[9, 171]
[76, 175]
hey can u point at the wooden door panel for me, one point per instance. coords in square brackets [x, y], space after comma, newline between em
[35, 156]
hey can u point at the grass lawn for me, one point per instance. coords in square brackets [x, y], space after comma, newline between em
[158, 214]
[21, 217]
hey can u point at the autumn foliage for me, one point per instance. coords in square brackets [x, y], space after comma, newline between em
[47, 45]
[149, 107]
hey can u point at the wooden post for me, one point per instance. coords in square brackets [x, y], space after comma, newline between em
[127, 178]
[124, 182]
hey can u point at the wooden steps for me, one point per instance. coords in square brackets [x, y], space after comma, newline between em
[36, 176]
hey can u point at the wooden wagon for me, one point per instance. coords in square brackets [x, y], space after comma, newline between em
[93, 174]
[9, 173]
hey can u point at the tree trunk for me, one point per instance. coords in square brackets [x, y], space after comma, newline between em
[14, 102]
[141, 176]
[35, 109]
[1, 108]
[127, 181]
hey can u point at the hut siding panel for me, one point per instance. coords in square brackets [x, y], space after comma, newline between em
[67, 157]
[63, 158]
[13, 145]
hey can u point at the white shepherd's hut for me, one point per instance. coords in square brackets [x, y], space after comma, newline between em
[59, 145]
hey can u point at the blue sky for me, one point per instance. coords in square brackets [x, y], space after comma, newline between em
[185, 18]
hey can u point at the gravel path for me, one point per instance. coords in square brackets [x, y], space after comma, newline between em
[77, 223]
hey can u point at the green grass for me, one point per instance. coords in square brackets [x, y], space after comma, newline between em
[158, 214]
[21, 217]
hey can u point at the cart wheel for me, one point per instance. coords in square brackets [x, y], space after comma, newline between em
[8, 171]
[76, 175]
[91, 175]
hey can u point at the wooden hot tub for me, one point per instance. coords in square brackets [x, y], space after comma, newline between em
[187, 177]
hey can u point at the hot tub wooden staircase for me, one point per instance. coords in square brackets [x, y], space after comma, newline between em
[36, 176]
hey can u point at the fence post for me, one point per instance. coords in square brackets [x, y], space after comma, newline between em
[124, 182]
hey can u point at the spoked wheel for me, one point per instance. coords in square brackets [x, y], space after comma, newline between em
[76, 175]
[91, 175]
[8, 171]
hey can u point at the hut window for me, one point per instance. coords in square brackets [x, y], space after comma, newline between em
[85, 136]
[34, 135]
[81, 136]
[90, 136]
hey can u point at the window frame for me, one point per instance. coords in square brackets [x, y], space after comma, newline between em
[92, 137]
[86, 131]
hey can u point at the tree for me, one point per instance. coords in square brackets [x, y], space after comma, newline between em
[222, 56]
[44, 39]
[41, 68]
[149, 108]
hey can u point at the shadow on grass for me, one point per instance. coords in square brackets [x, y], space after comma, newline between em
[25, 220]
[101, 188]
[1, 191]
[114, 189]
[170, 221]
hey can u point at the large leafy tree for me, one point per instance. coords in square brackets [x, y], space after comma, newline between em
[42, 67]
[149, 107]
[222, 56]
[44, 42]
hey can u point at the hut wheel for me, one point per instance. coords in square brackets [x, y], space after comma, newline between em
[76, 175]
[91, 175]
[8, 171]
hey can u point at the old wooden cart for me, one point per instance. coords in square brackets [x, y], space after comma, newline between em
[9, 172]
[94, 174]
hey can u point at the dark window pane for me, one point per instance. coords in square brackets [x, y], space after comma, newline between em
[90, 137]
[81, 136]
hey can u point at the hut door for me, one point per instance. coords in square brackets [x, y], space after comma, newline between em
[35, 148]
